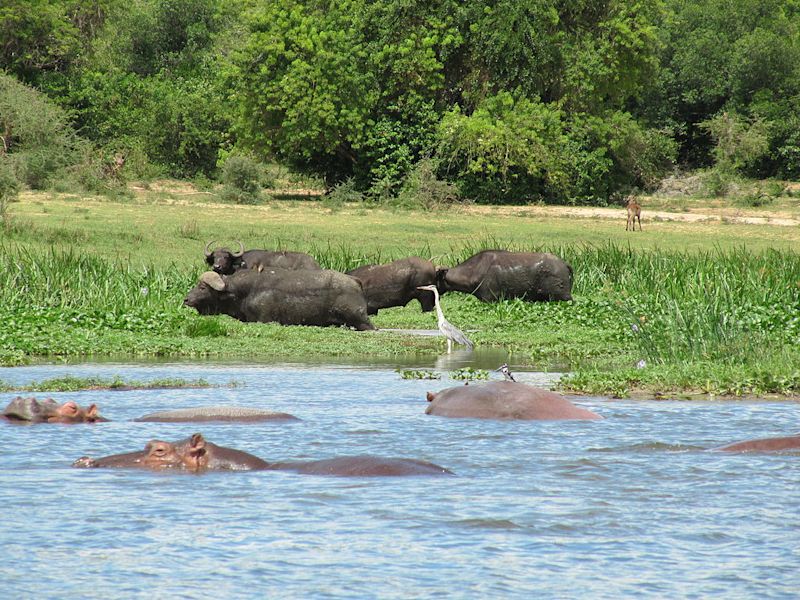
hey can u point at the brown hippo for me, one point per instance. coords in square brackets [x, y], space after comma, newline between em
[775, 444]
[504, 400]
[31, 410]
[203, 414]
[196, 455]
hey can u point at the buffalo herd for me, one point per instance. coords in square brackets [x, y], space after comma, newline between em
[291, 288]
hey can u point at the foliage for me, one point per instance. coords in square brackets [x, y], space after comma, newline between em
[418, 374]
[520, 101]
[469, 374]
[423, 188]
[241, 177]
[9, 189]
[36, 135]
[69, 383]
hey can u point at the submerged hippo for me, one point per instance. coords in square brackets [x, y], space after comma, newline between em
[197, 455]
[31, 410]
[775, 444]
[204, 414]
[504, 400]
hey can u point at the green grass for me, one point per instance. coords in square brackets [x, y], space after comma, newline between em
[69, 383]
[707, 313]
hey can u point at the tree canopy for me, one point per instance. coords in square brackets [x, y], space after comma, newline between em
[508, 100]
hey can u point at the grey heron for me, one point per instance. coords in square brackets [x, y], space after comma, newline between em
[449, 331]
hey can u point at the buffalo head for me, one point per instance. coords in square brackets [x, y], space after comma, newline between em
[222, 260]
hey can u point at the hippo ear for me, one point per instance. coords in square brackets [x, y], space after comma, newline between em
[197, 444]
[91, 412]
[214, 280]
[430, 396]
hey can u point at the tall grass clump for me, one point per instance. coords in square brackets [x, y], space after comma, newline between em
[66, 290]
[716, 305]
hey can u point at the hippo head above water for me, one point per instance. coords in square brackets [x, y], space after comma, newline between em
[193, 454]
[196, 455]
[31, 410]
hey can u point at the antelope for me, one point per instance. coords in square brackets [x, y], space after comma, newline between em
[634, 214]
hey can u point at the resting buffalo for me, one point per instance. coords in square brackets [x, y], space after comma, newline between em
[504, 400]
[492, 275]
[225, 262]
[31, 410]
[284, 296]
[197, 455]
[775, 444]
[396, 283]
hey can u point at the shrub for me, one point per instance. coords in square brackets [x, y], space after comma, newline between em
[40, 142]
[423, 189]
[9, 189]
[241, 177]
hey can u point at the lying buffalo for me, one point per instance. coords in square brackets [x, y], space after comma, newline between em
[226, 262]
[774, 444]
[492, 275]
[31, 410]
[288, 297]
[197, 455]
[396, 283]
[504, 400]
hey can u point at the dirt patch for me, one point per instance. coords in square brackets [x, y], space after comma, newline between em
[710, 214]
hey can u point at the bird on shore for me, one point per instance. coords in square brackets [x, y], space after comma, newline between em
[506, 372]
[449, 331]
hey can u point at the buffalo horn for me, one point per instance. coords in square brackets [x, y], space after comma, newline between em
[207, 250]
[214, 280]
[241, 249]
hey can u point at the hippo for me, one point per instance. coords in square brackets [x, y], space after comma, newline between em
[396, 283]
[774, 444]
[196, 455]
[193, 454]
[493, 275]
[204, 414]
[504, 400]
[31, 410]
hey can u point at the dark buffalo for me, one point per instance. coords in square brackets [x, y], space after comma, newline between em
[31, 410]
[288, 297]
[492, 275]
[504, 400]
[226, 262]
[774, 444]
[197, 455]
[396, 283]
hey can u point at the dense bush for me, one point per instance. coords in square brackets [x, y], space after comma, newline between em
[36, 134]
[241, 177]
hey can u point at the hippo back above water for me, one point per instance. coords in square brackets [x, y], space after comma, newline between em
[493, 275]
[789, 443]
[504, 400]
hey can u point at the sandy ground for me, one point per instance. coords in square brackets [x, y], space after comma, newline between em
[694, 215]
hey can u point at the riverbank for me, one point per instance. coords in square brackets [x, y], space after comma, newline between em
[702, 306]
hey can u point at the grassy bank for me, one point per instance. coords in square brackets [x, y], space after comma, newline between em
[701, 312]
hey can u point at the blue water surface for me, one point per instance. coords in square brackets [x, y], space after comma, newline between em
[630, 506]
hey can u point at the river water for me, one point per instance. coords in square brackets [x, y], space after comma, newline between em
[631, 506]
